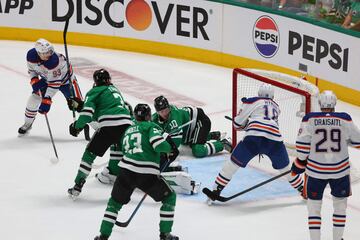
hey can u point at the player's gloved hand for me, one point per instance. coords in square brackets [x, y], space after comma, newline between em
[298, 166]
[174, 150]
[37, 84]
[75, 103]
[74, 131]
[45, 105]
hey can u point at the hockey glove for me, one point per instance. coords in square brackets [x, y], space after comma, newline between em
[298, 166]
[75, 104]
[74, 131]
[45, 105]
[37, 84]
[174, 150]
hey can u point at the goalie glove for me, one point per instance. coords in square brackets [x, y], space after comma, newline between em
[74, 131]
[298, 166]
[75, 104]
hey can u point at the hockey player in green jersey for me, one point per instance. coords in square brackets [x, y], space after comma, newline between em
[104, 104]
[196, 135]
[140, 168]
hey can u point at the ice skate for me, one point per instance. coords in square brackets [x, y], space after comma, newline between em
[24, 129]
[168, 236]
[101, 237]
[75, 191]
[227, 145]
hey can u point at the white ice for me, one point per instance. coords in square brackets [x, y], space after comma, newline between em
[33, 199]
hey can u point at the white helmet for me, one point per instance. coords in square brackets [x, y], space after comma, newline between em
[327, 99]
[44, 48]
[266, 90]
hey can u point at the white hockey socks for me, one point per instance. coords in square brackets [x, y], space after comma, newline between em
[226, 174]
[314, 210]
[339, 217]
[32, 107]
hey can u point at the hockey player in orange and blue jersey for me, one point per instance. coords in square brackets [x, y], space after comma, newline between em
[49, 73]
[322, 147]
[258, 117]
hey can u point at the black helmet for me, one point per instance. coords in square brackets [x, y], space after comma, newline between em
[101, 77]
[161, 103]
[141, 111]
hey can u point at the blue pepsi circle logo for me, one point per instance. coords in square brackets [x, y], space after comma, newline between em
[266, 36]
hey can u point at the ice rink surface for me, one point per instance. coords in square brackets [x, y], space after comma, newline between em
[34, 202]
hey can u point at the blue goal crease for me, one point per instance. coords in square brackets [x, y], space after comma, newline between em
[205, 170]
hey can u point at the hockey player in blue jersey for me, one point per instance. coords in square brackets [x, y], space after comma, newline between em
[49, 73]
[322, 147]
[258, 117]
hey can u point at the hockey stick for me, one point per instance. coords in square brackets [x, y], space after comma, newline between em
[125, 224]
[71, 88]
[53, 160]
[213, 196]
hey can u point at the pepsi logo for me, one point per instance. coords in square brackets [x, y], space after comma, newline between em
[266, 36]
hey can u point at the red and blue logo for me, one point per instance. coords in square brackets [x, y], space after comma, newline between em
[266, 36]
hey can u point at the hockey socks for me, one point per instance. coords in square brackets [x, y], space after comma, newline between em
[314, 209]
[167, 211]
[207, 149]
[226, 174]
[110, 216]
[339, 217]
[85, 166]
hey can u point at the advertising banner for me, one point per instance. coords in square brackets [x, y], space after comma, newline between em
[191, 23]
[292, 44]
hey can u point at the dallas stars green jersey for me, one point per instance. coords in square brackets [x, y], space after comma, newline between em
[142, 144]
[105, 105]
[177, 117]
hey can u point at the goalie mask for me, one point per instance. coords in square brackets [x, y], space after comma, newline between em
[44, 49]
[327, 99]
[142, 112]
[101, 77]
[266, 91]
[160, 103]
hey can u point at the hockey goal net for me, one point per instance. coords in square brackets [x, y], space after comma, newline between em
[295, 96]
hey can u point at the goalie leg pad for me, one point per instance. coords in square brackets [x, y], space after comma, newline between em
[181, 182]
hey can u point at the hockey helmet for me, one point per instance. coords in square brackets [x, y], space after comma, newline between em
[266, 91]
[327, 99]
[101, 77]
[142, 111]
[160, 103]
[44, 49]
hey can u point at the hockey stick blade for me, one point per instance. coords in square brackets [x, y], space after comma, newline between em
[125, 224]
[228, 118]
[212, 196]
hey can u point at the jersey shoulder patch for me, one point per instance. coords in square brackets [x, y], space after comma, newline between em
[53, 62]
[32, 56]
